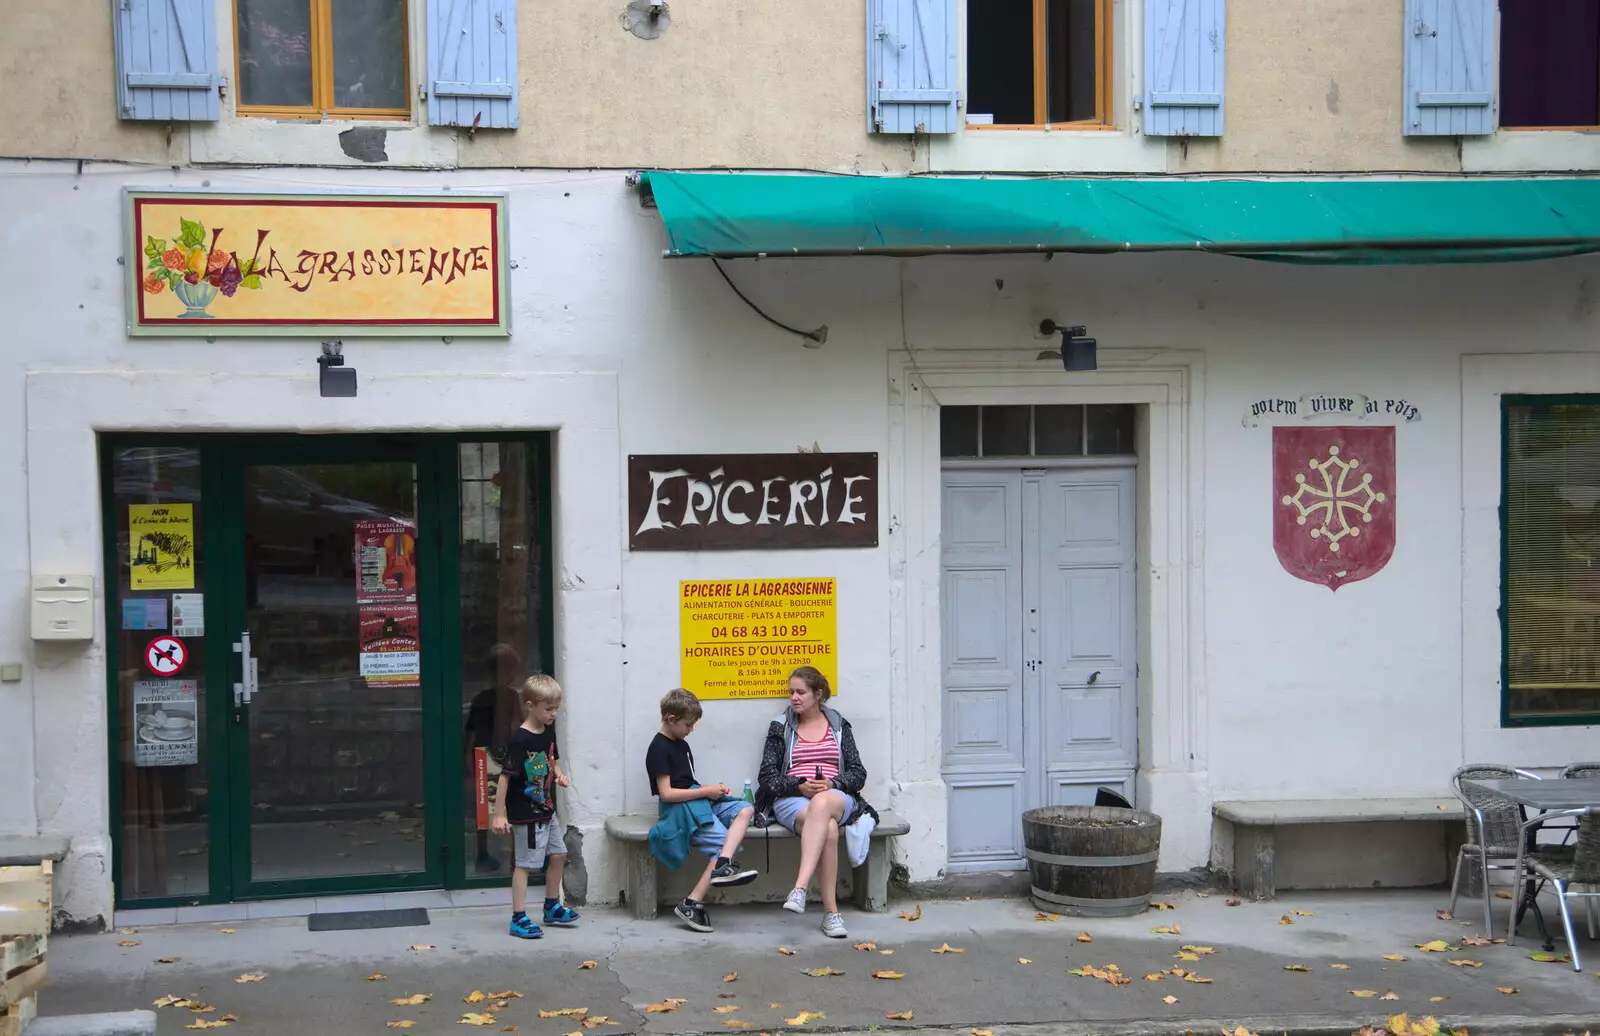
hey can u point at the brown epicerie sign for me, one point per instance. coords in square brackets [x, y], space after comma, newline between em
[752, 501]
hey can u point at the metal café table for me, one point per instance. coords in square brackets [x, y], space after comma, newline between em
[1553, 794]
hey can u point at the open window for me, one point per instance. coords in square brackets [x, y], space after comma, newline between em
[1039, 63]
[313, 59]
[1549, 64]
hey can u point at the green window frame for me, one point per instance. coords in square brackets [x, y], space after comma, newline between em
[1549, 560]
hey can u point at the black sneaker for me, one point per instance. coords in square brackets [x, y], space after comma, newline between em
[694, 915]
[732, 872]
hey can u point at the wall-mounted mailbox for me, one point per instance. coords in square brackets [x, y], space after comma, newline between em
[63, 607]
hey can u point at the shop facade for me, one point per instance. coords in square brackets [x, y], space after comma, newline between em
[1077, 579]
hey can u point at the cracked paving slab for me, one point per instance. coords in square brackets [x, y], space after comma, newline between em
[315, 981]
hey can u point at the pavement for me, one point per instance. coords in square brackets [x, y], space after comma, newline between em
[1004, 971]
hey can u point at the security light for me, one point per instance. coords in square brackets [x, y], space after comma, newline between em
[1078, 352]
[336, 380]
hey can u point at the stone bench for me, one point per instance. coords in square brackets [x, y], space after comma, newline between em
[1255, 825]
[644, 885]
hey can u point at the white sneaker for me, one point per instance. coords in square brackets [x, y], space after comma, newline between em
[796, 903]
[833, 926]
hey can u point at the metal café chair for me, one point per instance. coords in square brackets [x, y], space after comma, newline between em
[1494, 832]
[1567, 871]
[1574, 771]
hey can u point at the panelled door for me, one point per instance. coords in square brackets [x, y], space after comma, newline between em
[1040, 697]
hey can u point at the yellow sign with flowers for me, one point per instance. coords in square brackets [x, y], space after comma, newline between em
[249, 265]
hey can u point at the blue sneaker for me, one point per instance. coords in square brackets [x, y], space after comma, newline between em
[524, 928]
[561, 915]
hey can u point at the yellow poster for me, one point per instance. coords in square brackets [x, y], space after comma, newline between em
[741, 638]
[161, 546]
[295, 264]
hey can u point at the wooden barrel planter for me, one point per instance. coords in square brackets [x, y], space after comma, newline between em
[1091, 861]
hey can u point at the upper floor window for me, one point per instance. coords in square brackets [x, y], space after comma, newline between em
[1074, 430]
[1039, 62]
[1550, 64]
[314, 58]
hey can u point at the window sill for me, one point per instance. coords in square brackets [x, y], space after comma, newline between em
[304, 115]
[1532, 150]
[1082, 148]
[289, 138]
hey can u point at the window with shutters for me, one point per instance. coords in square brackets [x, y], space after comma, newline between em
[1550, 559]
[322, 58]
[1033, 63]
[1549, 64]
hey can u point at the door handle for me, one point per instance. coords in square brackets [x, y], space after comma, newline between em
[1093, 677]
[245, 691]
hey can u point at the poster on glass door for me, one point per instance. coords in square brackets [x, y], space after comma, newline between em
[391, 655]
[166, 729]
[386, 560]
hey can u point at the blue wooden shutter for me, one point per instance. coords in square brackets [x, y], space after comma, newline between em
[1184, 43]
[911, 66]
[166, 60]
[472, 63]
[1451, 72]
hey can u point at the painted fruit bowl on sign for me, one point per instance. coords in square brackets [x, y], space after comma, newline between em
[195, 272]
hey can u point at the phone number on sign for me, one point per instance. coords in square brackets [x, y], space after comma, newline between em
[756, 632]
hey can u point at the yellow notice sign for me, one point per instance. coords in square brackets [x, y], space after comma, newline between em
[741, 638]
[161, 546]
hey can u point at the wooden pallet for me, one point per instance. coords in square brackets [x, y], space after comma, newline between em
[15, 1018]
[25, 906]
[25, 900]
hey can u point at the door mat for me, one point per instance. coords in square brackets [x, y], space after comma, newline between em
[356, 920]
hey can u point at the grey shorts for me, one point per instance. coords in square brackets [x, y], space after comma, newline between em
[785, 810]
[536, 842]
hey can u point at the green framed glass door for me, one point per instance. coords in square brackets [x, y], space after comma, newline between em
[392, 593]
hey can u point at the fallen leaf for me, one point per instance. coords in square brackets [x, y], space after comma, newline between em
[1169, 999]
[1444, 915]
[737, 1023]
[886, 953]
[1192, 977]
[1042, 917]
[1390, 995]
[726, 1009]
[775, 1007]
[1477, 940]
[1502, 894]
[1507, 990]
[661, 1008]
[1339, 967]
[1394, 956]
[377, 976]
[1467, 963]
[1085, 937]
[199, 1008]
[201, 1023]
[786, 951]
[167, 960]
[1233, 902]
[128, 942]
[588, 965]
[1549, 958]
[507, 995]
[579, 1013]
[804, 1017]
[821, 972]
[866, 947]
[254, 976]
[476, 1019]
[477, 996]
[171, 1001]
[1154, 905]
[1436, 946]
[1173, 929]
[1364, 994]
[1401, 1025]
[1186, 955]
[1437, 999]
[981, 1032]
[1154, 976]
[1204, 951]
[1296, 967]
[947, 948]
[1024, 960]
[127, 931]
[226, 931]
[915, 915]
[1286, 919]
[887, 974]
[423, 947]
[899, 1016]
[1110, 973]
[1305, 913]
[408, 1023]
[412, 1000]
[676, 1001]
[594, 1021]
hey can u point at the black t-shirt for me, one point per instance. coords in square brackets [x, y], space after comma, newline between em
[672, 759]
[528, 766]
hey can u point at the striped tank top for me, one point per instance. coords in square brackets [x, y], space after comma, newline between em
[808, 755]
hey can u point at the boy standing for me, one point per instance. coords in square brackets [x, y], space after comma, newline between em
[525, 798]
[708, 819]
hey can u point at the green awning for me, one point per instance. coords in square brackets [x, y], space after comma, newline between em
[733, 215]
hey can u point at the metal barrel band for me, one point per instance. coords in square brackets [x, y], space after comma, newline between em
[1089, 907]
[1040, 856]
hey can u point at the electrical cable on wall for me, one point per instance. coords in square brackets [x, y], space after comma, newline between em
[817, 337]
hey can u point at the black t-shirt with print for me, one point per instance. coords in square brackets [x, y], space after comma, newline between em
[528, 765]
[672, 759]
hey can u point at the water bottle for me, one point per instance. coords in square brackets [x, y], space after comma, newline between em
[749, 796]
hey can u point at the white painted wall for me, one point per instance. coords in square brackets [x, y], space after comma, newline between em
[671, 361]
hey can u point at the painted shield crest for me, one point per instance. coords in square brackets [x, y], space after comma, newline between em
[1333, 498]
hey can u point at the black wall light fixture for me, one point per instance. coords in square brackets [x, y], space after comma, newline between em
[1078, 352]
[336, 380]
